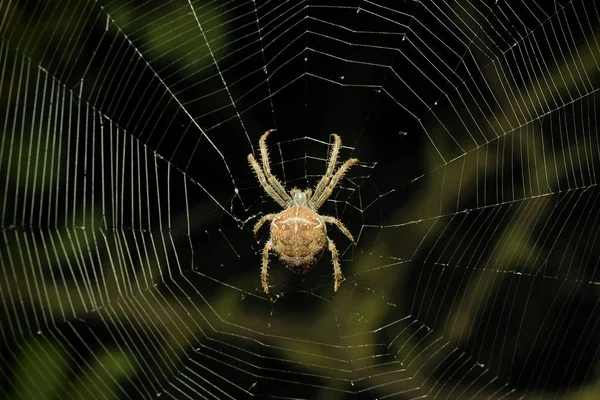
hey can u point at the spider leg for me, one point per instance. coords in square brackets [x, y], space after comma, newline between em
[337, 270]
[264, 183]
[260, 223]
[337, 143]
[317, 201]
[265, 267]
[341, 227]
[264, 156]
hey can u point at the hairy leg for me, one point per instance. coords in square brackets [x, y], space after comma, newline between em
[265, 183]
[266, 166]
[337, 270]
[340, 226]
[337, 143]
[260, 223]
[265, 267]
[318, 201]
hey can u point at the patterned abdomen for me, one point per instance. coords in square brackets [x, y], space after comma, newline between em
[299, 237]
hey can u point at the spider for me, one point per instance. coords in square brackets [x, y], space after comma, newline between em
[298, 233]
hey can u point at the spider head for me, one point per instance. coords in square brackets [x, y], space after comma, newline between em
[300, 197]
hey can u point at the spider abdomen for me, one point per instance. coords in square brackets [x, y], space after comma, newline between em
[299, 237]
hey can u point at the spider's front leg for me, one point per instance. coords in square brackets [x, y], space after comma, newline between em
[337, 270]
[265, 267]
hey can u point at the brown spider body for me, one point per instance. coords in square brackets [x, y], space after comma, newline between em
[299, 238]
[299, 233]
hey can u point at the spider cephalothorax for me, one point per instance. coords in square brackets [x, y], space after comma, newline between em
[298, 233]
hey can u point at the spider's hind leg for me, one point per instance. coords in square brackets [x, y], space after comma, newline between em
[260, 223]
[337, 270]
[340, 225]
[265, 267]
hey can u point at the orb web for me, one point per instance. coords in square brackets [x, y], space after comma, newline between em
[129, 268]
